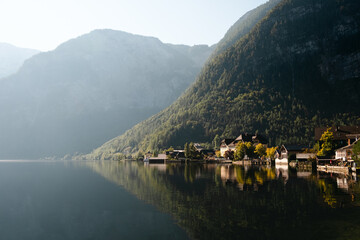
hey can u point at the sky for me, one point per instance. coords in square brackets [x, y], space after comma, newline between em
[45, 24]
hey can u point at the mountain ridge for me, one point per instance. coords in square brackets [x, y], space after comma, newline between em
[89, 90]
[12, 57]
[287, 76]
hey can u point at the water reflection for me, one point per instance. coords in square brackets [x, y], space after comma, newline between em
[226, 201]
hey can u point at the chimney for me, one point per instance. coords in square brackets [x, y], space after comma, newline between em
[349, 142]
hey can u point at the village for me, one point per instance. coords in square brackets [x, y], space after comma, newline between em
[336, 149]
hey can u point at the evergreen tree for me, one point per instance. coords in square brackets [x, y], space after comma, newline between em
[187, 151]
[216, 142]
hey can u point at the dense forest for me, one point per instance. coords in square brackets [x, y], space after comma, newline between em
[298, 68]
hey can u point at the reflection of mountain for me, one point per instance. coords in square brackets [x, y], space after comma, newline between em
[209, 209]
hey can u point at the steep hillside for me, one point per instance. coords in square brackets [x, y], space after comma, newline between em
[297, 69]
[243, 26]
[11, 58]
[89, 90]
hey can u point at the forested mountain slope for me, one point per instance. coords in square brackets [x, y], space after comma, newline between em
[89, 90]
[297, 69]
[243, 26]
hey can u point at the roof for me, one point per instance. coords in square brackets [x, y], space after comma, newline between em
[160, 156]
[261, 138]
[245, 137]
[348, 146]
[294, 147]
[340, 132]
[227, 141]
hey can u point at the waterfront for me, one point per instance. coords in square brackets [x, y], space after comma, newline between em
[133, 200]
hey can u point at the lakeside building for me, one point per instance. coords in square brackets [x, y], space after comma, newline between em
[290, 151]
[343, 135]
[229, 144]
[345, 153]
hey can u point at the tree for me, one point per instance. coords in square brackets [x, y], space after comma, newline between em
[187, 150]
[356, 152]
[240, 151]
[250, 149]
[216, 142]
[327, 146]
[191, 152]
[260, 150]
[140, 155]
[270, 152]
[170, 149]
[229, 155]
[194, 154]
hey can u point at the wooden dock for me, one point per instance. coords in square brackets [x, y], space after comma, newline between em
[333, 169]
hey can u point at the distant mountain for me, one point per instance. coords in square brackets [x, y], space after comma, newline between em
[89, 90]
[11, 58]
[298, 68]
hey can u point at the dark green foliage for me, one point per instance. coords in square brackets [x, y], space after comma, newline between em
[191, 152]
[229, 155]
[356, 152]
[243, 26]
[290, 74]
[216, 142]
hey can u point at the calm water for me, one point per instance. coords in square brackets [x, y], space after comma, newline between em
[130, 200]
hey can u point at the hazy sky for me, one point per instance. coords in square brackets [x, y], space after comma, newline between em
[44, 24]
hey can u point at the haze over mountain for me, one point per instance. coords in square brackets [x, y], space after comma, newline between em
[11, 58]
[89, 90]
[298, 68]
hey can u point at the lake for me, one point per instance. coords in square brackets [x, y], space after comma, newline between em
[133, 200]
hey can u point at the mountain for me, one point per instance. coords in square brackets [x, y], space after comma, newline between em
[243, 26]
[11, 58]
[89, 90]
[298, 68]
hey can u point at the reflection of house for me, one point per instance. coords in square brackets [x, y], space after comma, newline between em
[345, 153]
[282, 171]
[229, 144]
[227, 173]
[343, 135]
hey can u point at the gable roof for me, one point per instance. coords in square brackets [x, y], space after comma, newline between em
[245, 137]
[227, 141]
[294, 147]
[348, 146]
[340, 132]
